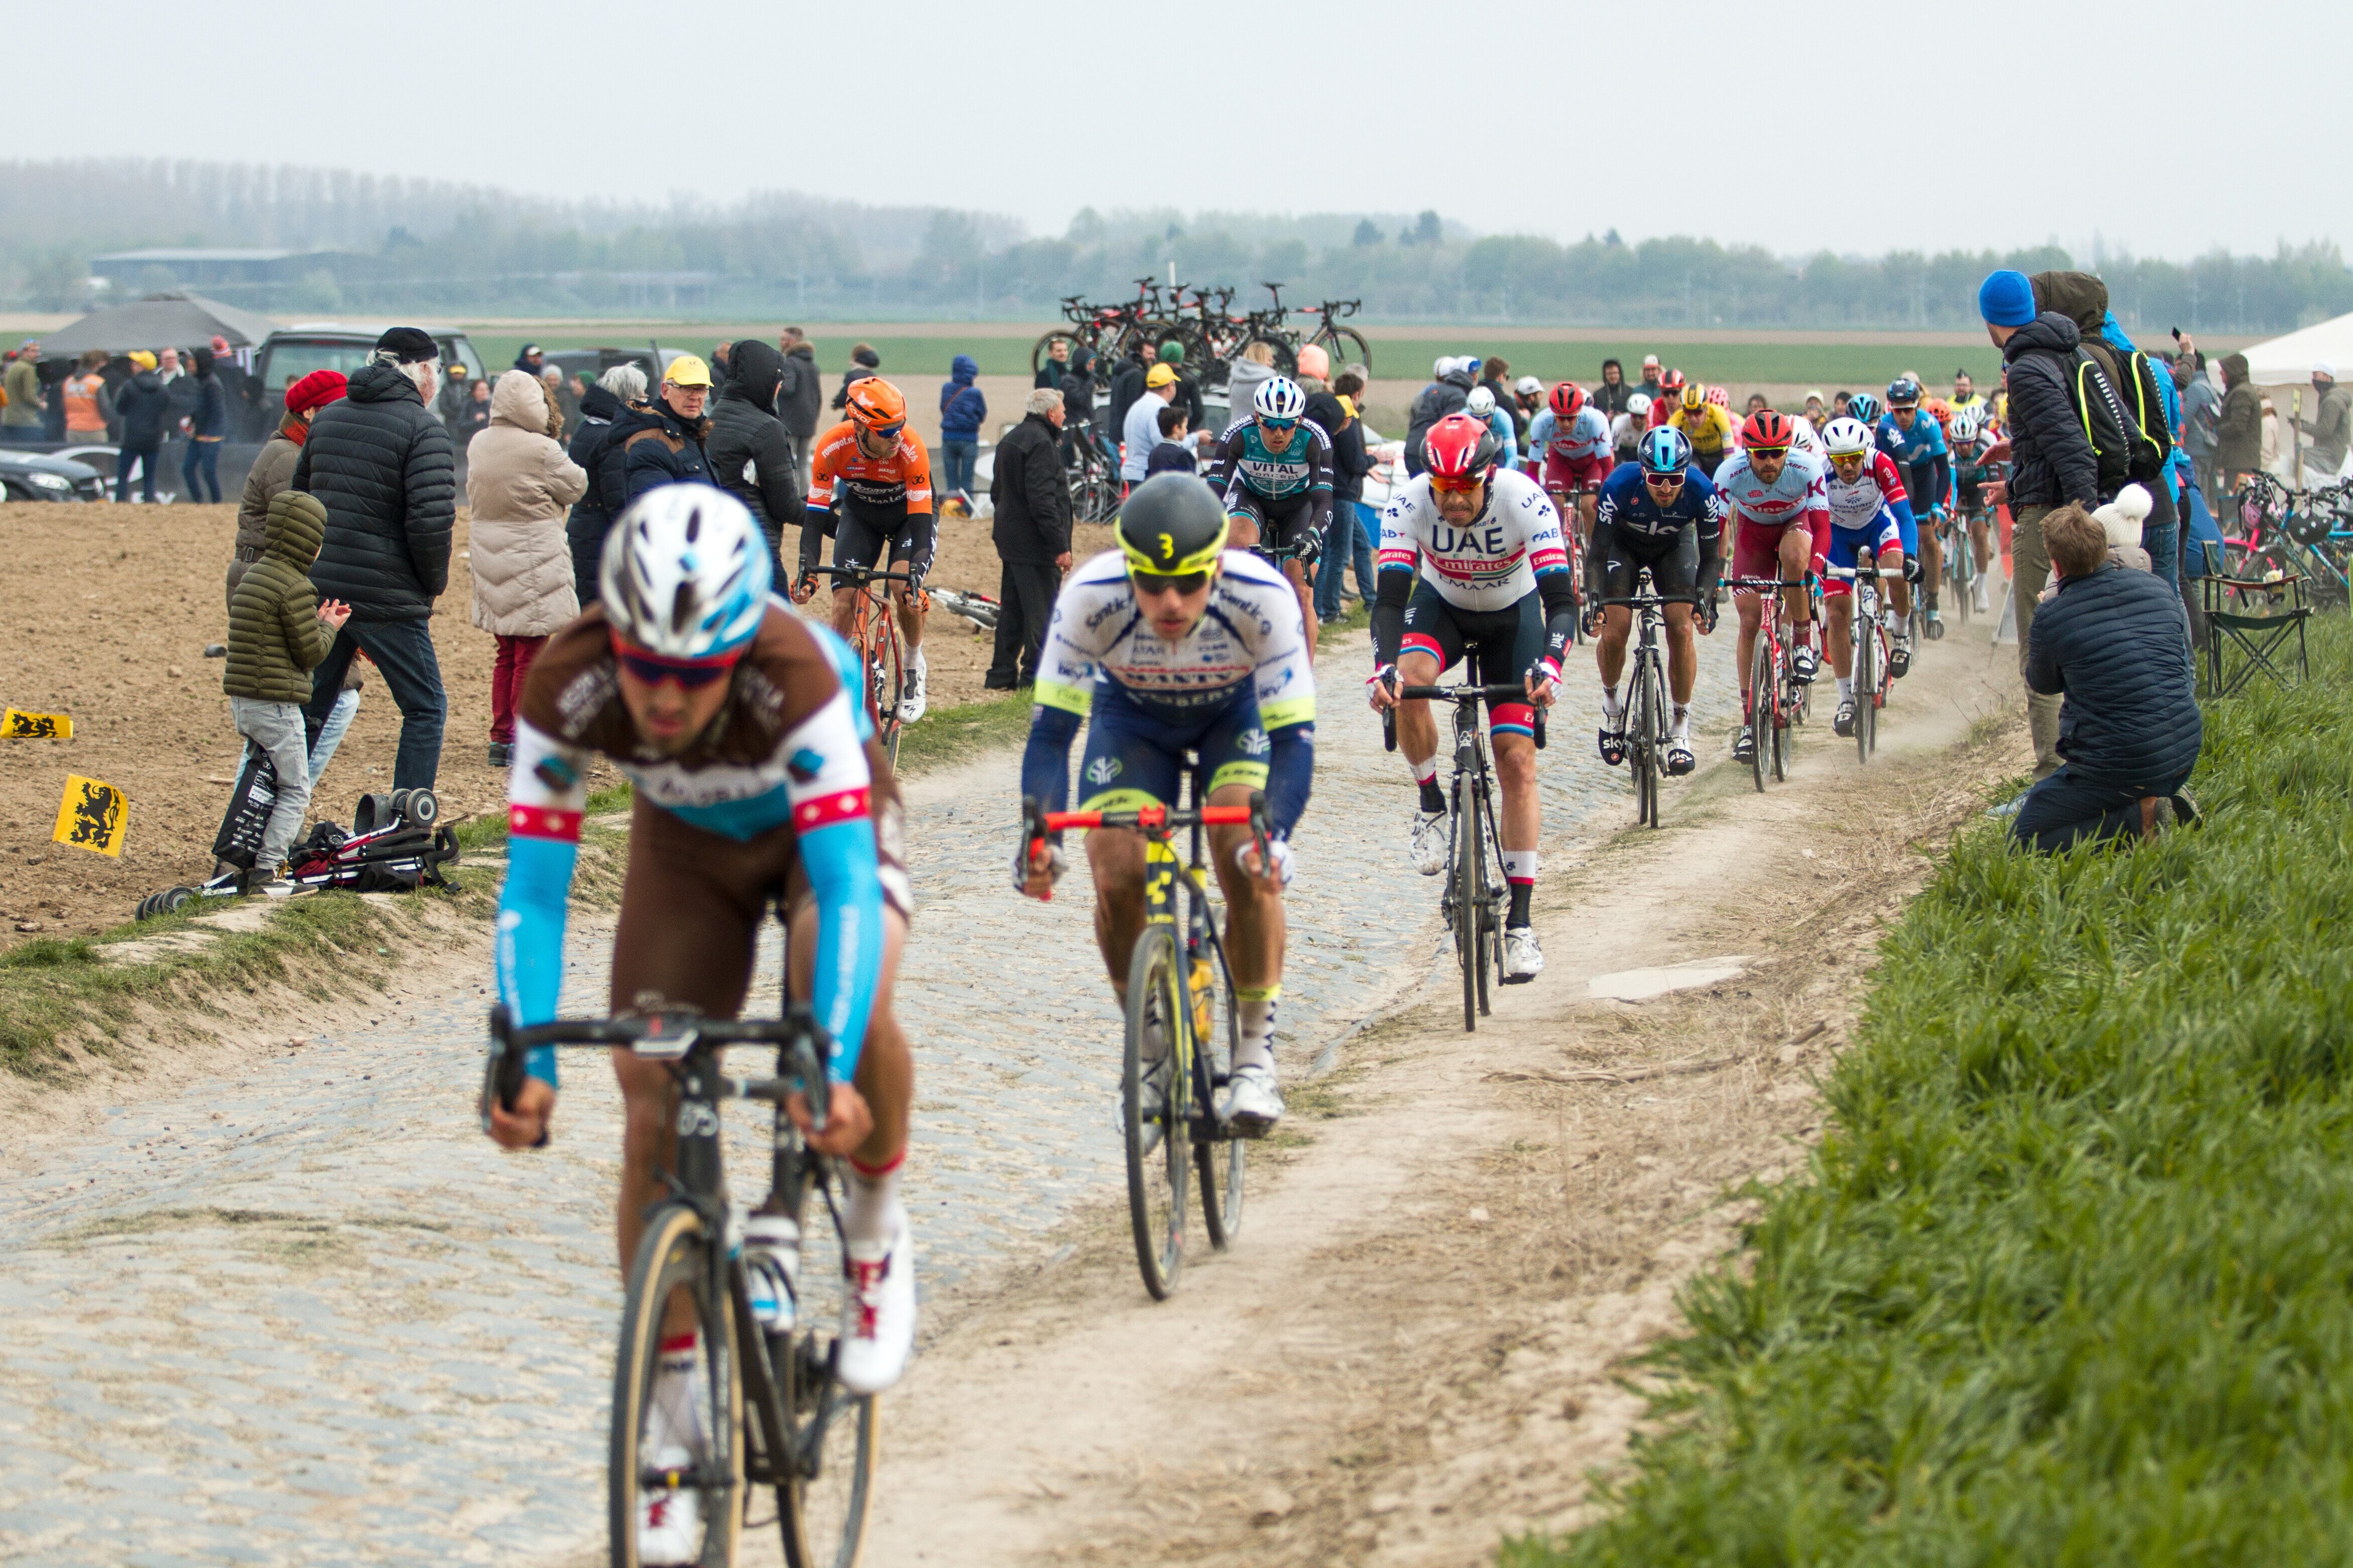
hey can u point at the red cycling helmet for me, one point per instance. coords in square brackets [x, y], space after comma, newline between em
[1767, 429]
[1671, 382]
[1460, 446]
[1567, 399]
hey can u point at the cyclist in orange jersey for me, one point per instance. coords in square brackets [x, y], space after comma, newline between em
[886, 504]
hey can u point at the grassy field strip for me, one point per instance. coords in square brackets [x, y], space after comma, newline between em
[2067, 1279]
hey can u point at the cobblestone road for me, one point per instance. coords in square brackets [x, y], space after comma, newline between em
[305, 1313]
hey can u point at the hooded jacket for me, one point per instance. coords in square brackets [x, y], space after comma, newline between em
[140, 403]
[518, 483]
[382, 465]
[961, 407]
[1441, 397]
[2239, 432]
[751, 453]
[271, 474]
[275, 635]
[2052, 461]
[2084, 299]
[599, 407]
[2116, 642]
[661, 448]
[803, 398]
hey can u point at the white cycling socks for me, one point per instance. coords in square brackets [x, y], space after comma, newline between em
[677, 1417]
[1683, 723]
[1255, 1005]
[1425, 775]
[1846, 687]
[872, 1212]
[1610, 708]
[1520, 876]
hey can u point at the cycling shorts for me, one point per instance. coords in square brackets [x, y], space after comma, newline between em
[1618, 553]
[693, 903]
[1576, 476]
[1134, 759]
[1756, 546]
[1848, 546]
[1509, 642]
[861, 528]
[1281, 524]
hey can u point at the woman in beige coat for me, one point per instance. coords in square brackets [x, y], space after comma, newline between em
[518, 484]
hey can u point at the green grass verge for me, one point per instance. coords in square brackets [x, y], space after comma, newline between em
[958, 733]
[2067, 1280]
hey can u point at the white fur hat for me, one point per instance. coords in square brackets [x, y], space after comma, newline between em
[2123, 516]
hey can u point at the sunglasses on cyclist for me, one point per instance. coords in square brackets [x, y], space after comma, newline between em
[1446, 485]
[1663, 481]
[886, 432]
[1266, 423]
[1167, 581]
[653, 668]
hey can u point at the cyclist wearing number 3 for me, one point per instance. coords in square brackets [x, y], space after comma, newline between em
[1472, 556]
[756, 781]
[1175, 643]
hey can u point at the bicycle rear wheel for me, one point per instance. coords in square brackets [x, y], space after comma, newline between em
[827, 1481]
[673, 1256]
[1159, 1182]
[1219, 1164]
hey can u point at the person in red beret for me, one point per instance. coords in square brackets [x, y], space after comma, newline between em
[273, 470]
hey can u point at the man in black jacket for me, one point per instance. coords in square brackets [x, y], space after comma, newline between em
[1344, 537]
[1127, 387]
[800, 399]
[1032, 530]
[664, 445]
[585, 529]
[751, 456]
[2051, 461]
[381, 463]
[2116, 642]
[138, 405]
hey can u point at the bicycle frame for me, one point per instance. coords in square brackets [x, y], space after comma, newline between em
[875, 632]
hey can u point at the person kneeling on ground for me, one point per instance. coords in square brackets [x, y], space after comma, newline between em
[278, 633]
[2115, 643]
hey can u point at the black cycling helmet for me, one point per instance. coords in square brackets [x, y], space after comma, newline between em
[1904, 392]
[1170, 524]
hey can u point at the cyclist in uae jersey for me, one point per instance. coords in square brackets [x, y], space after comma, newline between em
[1472, 558]
[1781, 529]
[1572, 437]
[1275, 469]
[755, 780]
[1868, 511]
[1916, 443]
[884, 477]
[1661, 512]
[1174, 643]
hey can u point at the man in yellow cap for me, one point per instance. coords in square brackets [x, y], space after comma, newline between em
[662, 444]
[1142, 431]
[140, 404]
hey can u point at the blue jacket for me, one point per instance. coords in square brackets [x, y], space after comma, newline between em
[961, 407]
[2117, 643]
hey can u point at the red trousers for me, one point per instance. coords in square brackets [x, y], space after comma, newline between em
[507, 676]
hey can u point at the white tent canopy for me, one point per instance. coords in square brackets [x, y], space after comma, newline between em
[2283, 361]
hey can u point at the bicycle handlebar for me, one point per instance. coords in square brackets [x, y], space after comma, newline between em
[1852, 572]
[1498, 693]
[1640, 599]
[670, 1037]
[1156, 820]
[860, 574]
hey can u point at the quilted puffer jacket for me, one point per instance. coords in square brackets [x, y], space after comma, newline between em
[275, 635]
[2117, 643]
[382, 465]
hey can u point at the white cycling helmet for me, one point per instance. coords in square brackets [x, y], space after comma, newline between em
[685, 572]
[1480, 402]
[1279, 398]
[1445, 363]
[1528, 386]
[1847, 437]
[1965, 426]
[1638, 404]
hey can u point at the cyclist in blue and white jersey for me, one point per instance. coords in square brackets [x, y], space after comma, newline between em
[1172, 643]
[1274, 465]
[1480, 404]
[1572, 440]
[1472, 558]
[1869, 511]
[1661, 512]
[1916, 443]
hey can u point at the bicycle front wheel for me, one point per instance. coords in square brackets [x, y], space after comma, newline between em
[1866, 685]
[1651, 716]
[889, 674]
[1346, 345]
[1221, 1164]
[1158, 1183]
[1760, 706]
[1468, 890]
[658, 1424]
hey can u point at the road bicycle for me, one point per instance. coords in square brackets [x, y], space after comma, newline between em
[1178, 978]
[1473, 902]
[1777, 700]
[1872, 682]
[1647, 732]
[1092, 470]
[875, 632]
[1564, 504]
[1345, 344]
[774, 1414]
[1958, 532]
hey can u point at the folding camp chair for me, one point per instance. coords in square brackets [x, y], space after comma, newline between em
[2257, 616]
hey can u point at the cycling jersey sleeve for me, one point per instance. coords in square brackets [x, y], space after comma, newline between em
[829, 788]
[1944, 489]
[1561, 616]
[546, 796]
[1285, 684]
[1046, 760]
[916, 473]
[1226, 466]
[1817, 517]
[1319, 479]
[1064, 691]
[1540, 431]
[818, 504]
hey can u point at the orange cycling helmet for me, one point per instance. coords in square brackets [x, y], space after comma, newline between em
[1767, 429]
[1568, 400]
[876, 405]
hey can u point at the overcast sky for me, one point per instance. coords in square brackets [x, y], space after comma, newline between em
[1924, 126]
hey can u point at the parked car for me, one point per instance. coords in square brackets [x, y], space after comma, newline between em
[36, 476]
[286, 356]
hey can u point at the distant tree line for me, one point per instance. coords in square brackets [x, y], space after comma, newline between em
[433, 245]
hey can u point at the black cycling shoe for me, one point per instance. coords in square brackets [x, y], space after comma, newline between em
[1744, 745]
[2185, 810]
[1804, 665]
[1613, 745]
[1843, 721]
[1680, 760]
[1899, 659]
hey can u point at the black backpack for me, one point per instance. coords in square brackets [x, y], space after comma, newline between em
[2124, 454]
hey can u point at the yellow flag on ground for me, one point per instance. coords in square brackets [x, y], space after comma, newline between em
[93, 816]
[20, 726]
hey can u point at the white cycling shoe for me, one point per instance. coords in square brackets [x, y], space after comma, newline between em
[1979, 600]
[915, 695]
[1430, 842]
[1253, 1100]
[670, 1523]
[1522, 959]
[1153, 1106]
[878, 1318]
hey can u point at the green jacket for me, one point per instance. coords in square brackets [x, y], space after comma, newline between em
[23, 385]
[275, 635]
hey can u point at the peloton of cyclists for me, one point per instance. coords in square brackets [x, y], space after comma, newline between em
[1916, 442]
[1472, 557]
[1273, 467]
[1780, 509]
[1868, 511]
[885, 510]
[1173, 641]
[1662, 512]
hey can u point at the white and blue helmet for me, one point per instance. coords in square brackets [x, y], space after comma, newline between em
[1279, 399]
[685, 572]
[1847, 437]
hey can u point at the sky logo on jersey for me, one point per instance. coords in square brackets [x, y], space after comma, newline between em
[803, 765]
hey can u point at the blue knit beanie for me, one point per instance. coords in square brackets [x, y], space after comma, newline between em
[2006, 299]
